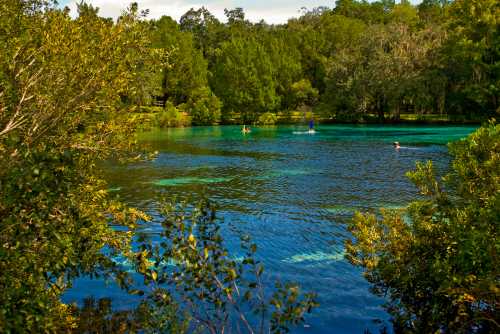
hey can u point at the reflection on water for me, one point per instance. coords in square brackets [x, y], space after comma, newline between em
[291, 193]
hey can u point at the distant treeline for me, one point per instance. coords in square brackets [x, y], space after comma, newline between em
[358, 60]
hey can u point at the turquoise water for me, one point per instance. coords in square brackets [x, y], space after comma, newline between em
[292, 192]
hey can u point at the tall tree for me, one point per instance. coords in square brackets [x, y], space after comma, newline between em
[185, 79]
[244, 80]
[472, 57]
[205, 28]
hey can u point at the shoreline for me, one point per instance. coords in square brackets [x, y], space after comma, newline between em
[147, 121]
[340, 122]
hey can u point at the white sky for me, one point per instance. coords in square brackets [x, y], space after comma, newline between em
[272, 11]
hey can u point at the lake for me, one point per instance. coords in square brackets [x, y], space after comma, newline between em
[292, 192]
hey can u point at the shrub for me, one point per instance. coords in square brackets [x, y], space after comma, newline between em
[171, 116]
[267, 119]
[204, 108]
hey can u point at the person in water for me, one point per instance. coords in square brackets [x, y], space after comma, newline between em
[311, 126]
[396, 145]
[246, 129]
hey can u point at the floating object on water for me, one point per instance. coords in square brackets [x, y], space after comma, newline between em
[308, 132]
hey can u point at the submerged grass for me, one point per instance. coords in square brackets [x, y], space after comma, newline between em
[189, 180]
[316, 257]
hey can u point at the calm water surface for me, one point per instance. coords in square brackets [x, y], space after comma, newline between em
[292, 192]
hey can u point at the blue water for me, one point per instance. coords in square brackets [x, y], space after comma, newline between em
[291, 192]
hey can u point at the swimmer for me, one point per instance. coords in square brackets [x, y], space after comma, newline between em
[246, 129]
[396, 145]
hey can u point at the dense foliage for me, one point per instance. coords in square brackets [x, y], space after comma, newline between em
[61, 87]
[438, 263]
[357, 61]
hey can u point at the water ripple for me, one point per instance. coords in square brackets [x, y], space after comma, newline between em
[293, 195]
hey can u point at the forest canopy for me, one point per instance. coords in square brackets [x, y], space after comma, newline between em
[356, 61]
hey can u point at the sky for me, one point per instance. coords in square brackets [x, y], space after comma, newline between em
[272, 11]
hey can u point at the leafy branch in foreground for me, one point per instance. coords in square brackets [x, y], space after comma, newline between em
[439, 264]
[63, 83]
[214, 292]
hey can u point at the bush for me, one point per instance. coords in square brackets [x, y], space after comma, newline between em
[150, 109]
[171, 116]
[267, 119]
[304, 93]
[204, 108]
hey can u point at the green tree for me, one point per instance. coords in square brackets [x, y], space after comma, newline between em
[243, 79]
[204, 107]
[235, 16]
[303, 93]
[432, 11]
[285, 59]
[62, 87]
[370, 12]
[390, 70]
[185, 78]
[187, 70]
[405, 13]
[438, 262]
[310, 41]
[206, 29]
[472, 57]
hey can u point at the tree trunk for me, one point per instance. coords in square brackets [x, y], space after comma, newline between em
[397, 112]
[380, 109]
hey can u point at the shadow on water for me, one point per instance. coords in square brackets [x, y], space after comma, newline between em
[292, 194]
